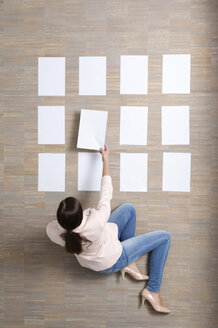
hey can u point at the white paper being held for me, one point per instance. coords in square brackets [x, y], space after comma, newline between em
[92, 129]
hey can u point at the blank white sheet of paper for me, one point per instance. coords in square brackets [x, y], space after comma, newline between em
[90, 168]
[51, 76]
[92, 129]
[51, 125]
[133, 125]
[92, 75]
[176, 172]
[176, 73]
[51, 172]
[175, 125]
[133, 74]
[133, 172]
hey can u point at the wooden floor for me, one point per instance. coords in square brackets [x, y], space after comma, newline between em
[41, 286]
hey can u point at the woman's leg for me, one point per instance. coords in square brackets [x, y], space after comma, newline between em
[125, 218]
[158, 243]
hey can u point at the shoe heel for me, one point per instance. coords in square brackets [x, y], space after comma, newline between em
[123, 274]
[143, 299]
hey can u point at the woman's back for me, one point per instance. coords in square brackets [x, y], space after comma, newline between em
[105, 247]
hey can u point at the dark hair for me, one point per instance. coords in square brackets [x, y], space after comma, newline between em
[69, 216]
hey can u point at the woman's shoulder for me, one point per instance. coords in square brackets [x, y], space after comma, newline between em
[53, 231]
[51, 224]
[53, 227]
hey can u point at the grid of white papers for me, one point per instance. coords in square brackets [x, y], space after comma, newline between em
[175, 125]
[51, 76]
[90, 168]
[92, 75]
[133, 74]
[176, 172]
[133, 125]
[92, 129]
[51, 125]
[176, 73]
[51, 172]
[133, 172]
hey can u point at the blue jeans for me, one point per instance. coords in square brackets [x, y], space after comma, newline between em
[157, 242]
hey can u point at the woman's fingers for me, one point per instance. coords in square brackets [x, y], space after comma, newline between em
[106, 149]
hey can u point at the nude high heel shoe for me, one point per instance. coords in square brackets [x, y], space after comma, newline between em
[154, 299]
[134, 272]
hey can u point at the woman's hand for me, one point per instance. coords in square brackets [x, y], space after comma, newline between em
[105, 153]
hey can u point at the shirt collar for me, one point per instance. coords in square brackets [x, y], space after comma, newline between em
[80, 227]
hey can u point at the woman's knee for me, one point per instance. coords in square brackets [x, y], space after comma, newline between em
[166, 235]
[131, 208]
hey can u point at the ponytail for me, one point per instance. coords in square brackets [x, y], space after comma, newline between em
[73, 242]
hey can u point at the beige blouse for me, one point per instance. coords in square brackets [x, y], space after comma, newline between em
[106, 247]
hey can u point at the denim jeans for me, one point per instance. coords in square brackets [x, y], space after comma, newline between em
[157, 242]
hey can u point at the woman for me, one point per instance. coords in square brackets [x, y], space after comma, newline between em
[105, 242]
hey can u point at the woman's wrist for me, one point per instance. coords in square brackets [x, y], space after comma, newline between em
[106, 170]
